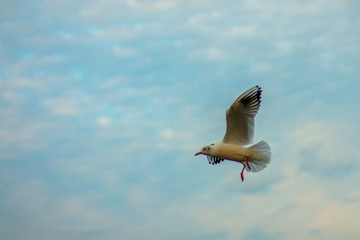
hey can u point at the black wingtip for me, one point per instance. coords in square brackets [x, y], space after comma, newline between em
[251, 99]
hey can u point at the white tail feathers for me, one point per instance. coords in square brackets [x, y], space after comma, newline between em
[260, 157]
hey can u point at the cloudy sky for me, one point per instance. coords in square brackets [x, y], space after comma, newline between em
[103, 104]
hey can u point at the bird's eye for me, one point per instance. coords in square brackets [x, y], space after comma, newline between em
[204, 149]
[208, 148]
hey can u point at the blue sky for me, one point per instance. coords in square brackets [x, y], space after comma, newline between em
[104, 103]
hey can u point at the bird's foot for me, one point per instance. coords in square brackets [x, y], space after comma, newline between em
[247, 163]
[242, 173]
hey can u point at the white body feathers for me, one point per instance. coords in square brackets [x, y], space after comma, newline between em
[258, 155]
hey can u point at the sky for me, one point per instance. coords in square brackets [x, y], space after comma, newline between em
[103, 104]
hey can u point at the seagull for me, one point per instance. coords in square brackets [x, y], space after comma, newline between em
[239, 133]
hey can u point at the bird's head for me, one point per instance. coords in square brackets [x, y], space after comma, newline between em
[206, 150]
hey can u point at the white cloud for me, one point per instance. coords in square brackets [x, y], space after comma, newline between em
[175, 140]
[103, 121]
[125, 52]
[151, 6]
[261, 67]
[164, 5]
[214, 54]
[207, 55]
[239, 32]
[63, 106]
[284, 47]
[334, 216]
[325, 143]
[117, 33]
[166, 134]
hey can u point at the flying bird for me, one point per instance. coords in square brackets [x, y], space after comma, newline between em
[239, 133]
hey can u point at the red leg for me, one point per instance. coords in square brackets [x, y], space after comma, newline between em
[242, 173]
[247, 163]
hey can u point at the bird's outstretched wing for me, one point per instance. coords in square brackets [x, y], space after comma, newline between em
[240, 117]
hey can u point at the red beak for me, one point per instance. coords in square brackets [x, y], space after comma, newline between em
[198, 153]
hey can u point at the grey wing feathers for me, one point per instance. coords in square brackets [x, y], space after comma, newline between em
[240, 117]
